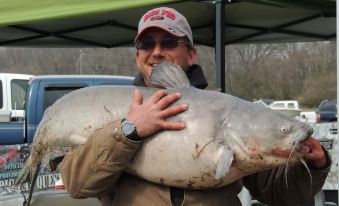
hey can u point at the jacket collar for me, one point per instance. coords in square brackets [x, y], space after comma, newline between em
[194, 74]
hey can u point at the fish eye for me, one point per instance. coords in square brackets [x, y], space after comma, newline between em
[284, 129]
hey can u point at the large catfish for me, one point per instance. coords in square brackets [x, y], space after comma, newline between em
[225, 137]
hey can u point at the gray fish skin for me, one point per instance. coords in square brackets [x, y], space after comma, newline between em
[219, 128]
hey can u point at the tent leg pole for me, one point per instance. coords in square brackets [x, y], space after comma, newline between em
[220, 44]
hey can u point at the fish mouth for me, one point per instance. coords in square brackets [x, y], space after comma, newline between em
[277, 151]
[299, 142]
[306, 133]
[304, 146]
[299, 148]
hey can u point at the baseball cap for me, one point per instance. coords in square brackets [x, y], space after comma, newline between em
[167, 19]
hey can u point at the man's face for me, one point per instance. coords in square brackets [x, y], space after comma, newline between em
[182, 55]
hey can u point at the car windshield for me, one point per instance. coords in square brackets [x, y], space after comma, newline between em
[328, 106]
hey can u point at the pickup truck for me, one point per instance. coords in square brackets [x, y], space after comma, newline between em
[42, 92]
[289, 108]
[16, 136]
[12, 96]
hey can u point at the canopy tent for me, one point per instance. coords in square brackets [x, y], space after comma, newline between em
[110, 23]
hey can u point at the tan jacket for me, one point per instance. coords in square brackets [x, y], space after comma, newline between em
[95, 169]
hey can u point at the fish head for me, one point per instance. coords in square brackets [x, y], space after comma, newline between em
[262, 139]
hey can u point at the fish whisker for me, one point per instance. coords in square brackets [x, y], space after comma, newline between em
[308, 170]
[288, 160]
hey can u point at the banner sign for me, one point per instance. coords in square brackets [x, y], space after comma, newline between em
[12, 160]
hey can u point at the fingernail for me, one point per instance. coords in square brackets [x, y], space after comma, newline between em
[185, 106]
[178, 94]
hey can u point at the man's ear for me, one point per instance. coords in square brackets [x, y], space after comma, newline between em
[137, 57]
[192, 56]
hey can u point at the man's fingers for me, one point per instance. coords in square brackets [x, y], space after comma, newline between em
[172, 125]
[311, 149]
[169, 99]
[137, 97]
[171, 111]
[303, 149]
[312, 143]
[315, 155]
[158, 95]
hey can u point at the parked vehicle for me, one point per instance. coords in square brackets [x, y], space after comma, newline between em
[12, 96]
[327, 111]
[15, 139]
[284, 104]
[289, 108]
[326, 131]
[327, 134]
[308, 117]
[263, 102]
[42, 92]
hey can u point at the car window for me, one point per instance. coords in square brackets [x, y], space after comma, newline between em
[290, 105]
[278, 105]
[18, 88]
[54, 93]
[328, 106]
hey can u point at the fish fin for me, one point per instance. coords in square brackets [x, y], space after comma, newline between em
[224, 163]
[25, 173]
[32, 184]
[169, 75]
[28, 173]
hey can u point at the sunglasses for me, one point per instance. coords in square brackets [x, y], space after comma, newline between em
[165, 43]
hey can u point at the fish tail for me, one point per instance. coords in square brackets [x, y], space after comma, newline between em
[29, 173]
[32, 184]
[30, 169]
[24, 174]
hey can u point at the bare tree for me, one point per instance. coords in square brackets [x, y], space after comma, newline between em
[303, 71]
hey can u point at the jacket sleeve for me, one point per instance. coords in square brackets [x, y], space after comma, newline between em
[271, 187]
[92, 169]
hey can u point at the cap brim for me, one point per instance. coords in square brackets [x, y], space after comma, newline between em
[177, 34]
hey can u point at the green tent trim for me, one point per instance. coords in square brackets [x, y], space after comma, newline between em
[111, 23]
[25, 11]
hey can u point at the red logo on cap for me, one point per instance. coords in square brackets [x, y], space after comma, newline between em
[151, 13]
[166, 13]
[157, 18]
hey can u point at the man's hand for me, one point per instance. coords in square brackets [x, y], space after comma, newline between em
[313, 153]
[150, 116]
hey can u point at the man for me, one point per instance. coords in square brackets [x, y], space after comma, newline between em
[95, 169]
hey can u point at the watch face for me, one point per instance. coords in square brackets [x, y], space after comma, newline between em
[127, 128]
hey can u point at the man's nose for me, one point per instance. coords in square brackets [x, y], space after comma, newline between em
[158, 51]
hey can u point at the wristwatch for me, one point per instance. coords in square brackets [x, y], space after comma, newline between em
[129, 130]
